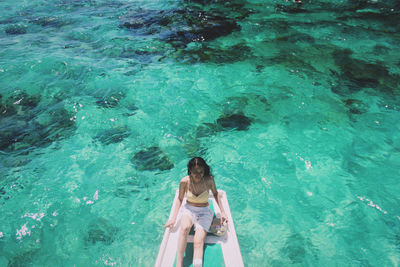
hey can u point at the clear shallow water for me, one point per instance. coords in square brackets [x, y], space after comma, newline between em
[296, 109]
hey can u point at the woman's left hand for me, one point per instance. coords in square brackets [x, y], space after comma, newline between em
[224, 218]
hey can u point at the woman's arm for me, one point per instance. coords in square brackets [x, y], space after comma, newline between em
[182, 190]
[218, 199]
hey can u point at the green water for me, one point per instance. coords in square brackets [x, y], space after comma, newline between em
[294, 107]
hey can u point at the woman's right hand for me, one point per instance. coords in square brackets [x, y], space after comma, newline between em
[170, 223]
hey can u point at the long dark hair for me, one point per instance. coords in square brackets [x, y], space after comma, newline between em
[197, 161]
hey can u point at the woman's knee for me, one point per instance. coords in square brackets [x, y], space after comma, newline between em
[186, 224]
[185, 228]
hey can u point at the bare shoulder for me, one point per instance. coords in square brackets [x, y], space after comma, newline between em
[184, 181]
[210, 180]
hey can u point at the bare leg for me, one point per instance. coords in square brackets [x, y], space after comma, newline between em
[186, 224]
[198, 243]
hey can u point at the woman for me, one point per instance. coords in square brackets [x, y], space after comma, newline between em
[195, 211]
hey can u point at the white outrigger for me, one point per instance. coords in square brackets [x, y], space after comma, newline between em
[218, 250]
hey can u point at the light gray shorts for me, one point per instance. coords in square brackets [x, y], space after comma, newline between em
[201, 216]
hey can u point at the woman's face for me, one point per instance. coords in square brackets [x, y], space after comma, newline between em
[197, 172]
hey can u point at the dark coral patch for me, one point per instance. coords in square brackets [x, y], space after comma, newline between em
[7, 192]
[295, 248]
[25, 126]
[386, 18]
[15, 29]
[58, 126]
[180, 27]
[291, 62]
[146, 20]
[101, 231]
[357, 74]
[110, 101]
[126, 189]
[23, 102]
[131, 109]
[206, 130]
[237, 122]
[114, 135]
[296, 37]
[19, 102]
[295, 8]
[2, 192]
[152, 159]
[15, 161]
[381, 49]
[113, 100]
[205, 28]
[49, 21]
[11, 131]
[355, 106]
[231, 54]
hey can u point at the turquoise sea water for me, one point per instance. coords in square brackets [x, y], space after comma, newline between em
[294, 106]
